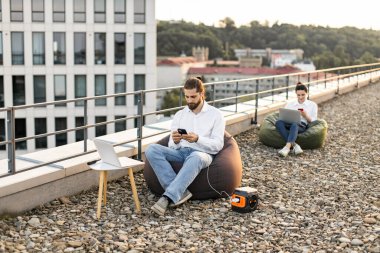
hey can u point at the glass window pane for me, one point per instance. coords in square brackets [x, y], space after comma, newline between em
[18, 84]
[80, 11]
[120, 48]
[139, 10]
[1, 48]
[80, 88]
[17, 48]
[79, 48]
[2, 133]
[59, 47]
[20, 132]
[1, 17]
[119, 7]
[100, 48]
[100, 89]
[139, 48]
[139, 85]
[100, 130]
[38, 10]
[39, 88]
[16, 10]
[120, 87]
[1, 91]
[40, 128]
[120, 125]
[60, 88]
[38, 48]
[100, 11]
[59, 10]
[60, 124]
[79, 134]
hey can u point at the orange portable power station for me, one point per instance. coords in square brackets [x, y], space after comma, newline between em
[244, 200]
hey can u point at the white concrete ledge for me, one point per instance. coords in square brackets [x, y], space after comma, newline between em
[26, 190]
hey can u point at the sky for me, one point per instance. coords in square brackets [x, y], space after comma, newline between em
[333, 13]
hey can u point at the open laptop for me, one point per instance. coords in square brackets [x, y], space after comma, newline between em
[290, 115]
[108, 155]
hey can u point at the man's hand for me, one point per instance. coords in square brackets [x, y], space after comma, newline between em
[176, 137]
[190, 137]
[305, 115]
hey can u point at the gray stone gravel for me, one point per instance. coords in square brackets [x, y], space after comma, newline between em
[327, 200]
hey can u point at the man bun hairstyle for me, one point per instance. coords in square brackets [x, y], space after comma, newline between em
[301, 86]
[194, 83]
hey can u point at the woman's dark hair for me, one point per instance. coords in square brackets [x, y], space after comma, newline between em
[194, 83]
[301, 86]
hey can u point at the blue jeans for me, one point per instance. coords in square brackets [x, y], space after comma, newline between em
[289, 131]
[176, 184]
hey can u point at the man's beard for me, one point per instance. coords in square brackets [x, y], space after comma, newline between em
[193, 106]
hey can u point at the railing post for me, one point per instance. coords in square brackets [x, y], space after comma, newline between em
[140, 123]
[287, 87]
[325, 80]
[236, 96]
[85, 122]
[257, 101]
[11, 147]
[337, 89]
[272, 90]
[180, 96]
[213, 93]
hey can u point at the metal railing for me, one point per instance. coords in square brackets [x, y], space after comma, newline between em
[326, 77]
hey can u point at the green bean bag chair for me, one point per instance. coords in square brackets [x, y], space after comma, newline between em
[224, 174]
[313, 137]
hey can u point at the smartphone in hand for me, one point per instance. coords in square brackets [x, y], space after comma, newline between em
[182, 131]
[300, 109]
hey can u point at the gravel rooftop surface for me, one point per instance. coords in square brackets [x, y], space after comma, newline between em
[327, 200]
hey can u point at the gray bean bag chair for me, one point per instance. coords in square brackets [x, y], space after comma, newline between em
[225, 172]
[313, 137]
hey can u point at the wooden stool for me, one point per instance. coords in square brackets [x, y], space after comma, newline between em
[103, 168]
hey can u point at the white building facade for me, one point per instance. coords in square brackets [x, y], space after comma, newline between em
[64, 49]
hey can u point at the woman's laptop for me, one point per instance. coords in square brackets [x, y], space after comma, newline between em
[108, 155]
[290, 115]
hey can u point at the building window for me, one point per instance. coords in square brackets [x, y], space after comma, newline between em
[59, 10]
[79, 48]
[59, 47]
[139, 48]
[38, 11]
[18, 84]
[120, 87]
[139, 6]
[100, 89]
[1, 47]
[80, 88]
[40, 128]
[2, 133]
[102, 129]
[1, 91]
[17, 48]
[119, 48]
[120, 125]
[20, 132]
[139, 85]
[60, 88]
[38, 48]
[119, 7]
[80, 11]
[79, 134]
[100, 11]
[100, 48]
[60, 124]
[39, 88]
[17, 10]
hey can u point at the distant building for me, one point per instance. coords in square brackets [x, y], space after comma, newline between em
[58, 50]
[304, 65]
[220, 74]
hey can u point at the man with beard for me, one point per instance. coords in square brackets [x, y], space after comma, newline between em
[195, 148]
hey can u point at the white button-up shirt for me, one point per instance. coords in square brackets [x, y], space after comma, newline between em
[308, 106]
[208, 124]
